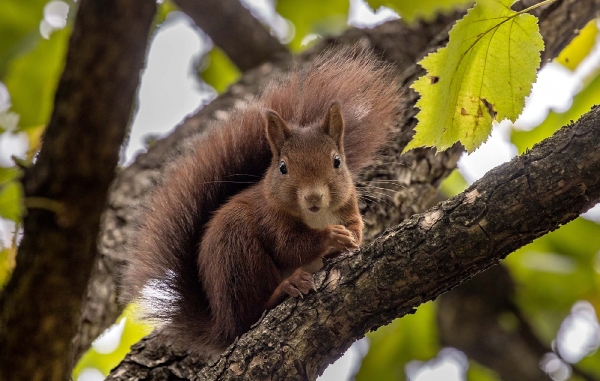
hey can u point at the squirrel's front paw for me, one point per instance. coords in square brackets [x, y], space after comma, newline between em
[340, 239]
[299, 283]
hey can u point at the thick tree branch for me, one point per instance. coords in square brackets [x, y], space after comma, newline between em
[418, 260]
[69, 181]
[233, 28]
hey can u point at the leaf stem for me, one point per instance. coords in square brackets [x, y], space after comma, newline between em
[536, 6]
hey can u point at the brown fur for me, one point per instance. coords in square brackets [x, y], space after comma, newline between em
[213, 265]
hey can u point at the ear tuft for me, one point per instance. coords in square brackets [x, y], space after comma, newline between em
[334, 125]
[277, 132]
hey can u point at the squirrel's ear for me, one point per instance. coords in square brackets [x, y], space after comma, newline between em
[277, 131]
[334, 125]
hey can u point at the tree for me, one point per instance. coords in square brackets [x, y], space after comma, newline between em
[416, 261]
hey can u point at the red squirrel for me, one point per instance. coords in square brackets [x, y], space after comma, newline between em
[245, 214]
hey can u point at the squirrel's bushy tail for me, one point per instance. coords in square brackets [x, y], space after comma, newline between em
[233, 154]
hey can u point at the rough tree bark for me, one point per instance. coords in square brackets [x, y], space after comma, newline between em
[66, 188]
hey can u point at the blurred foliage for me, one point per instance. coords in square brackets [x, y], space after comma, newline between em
[555, 271]
[453, 184]
[582, 103]
[477, 372]
[11, 208]
[31, 85]
[410, 11]
[11, 201]
[7, 175]
[580, 46]
[414, 337]
[133, 331]
[322, 18]
[7, 263]
[218, 70]
[19, 28]
[164, 8]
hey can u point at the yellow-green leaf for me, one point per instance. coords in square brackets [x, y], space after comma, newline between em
[163, 11]
[8, 174]
[133, 331]
[19, 28]
[323, 18]
[11, 201]
[31, 85]
[580, 46]
[34, 134]
[7, 263]
[414, 337]
[484, 74]
[478, 372]
[453, 184]
[218, 70]
[423, 9]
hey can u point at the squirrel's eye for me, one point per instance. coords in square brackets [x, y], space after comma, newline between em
[282, 167]
[337, 161]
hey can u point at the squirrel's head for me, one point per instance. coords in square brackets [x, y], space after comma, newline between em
[308, 176]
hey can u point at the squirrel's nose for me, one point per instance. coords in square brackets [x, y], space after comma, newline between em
[313, 197]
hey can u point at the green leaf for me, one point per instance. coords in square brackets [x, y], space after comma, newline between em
[8, 174]
[582, 103]
[555, 271]
[7, 263]
[219, 71]
[453, 184]
[413, 337]
[31, 84]
[19, 28]
[166, 7]
[484, 74]
[580, 46]
[411, 11]
[133, 331]
[324, 18]
[478, 372]
[11, 201]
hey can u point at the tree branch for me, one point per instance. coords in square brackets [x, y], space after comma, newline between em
[41, 304]
[233, 28]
